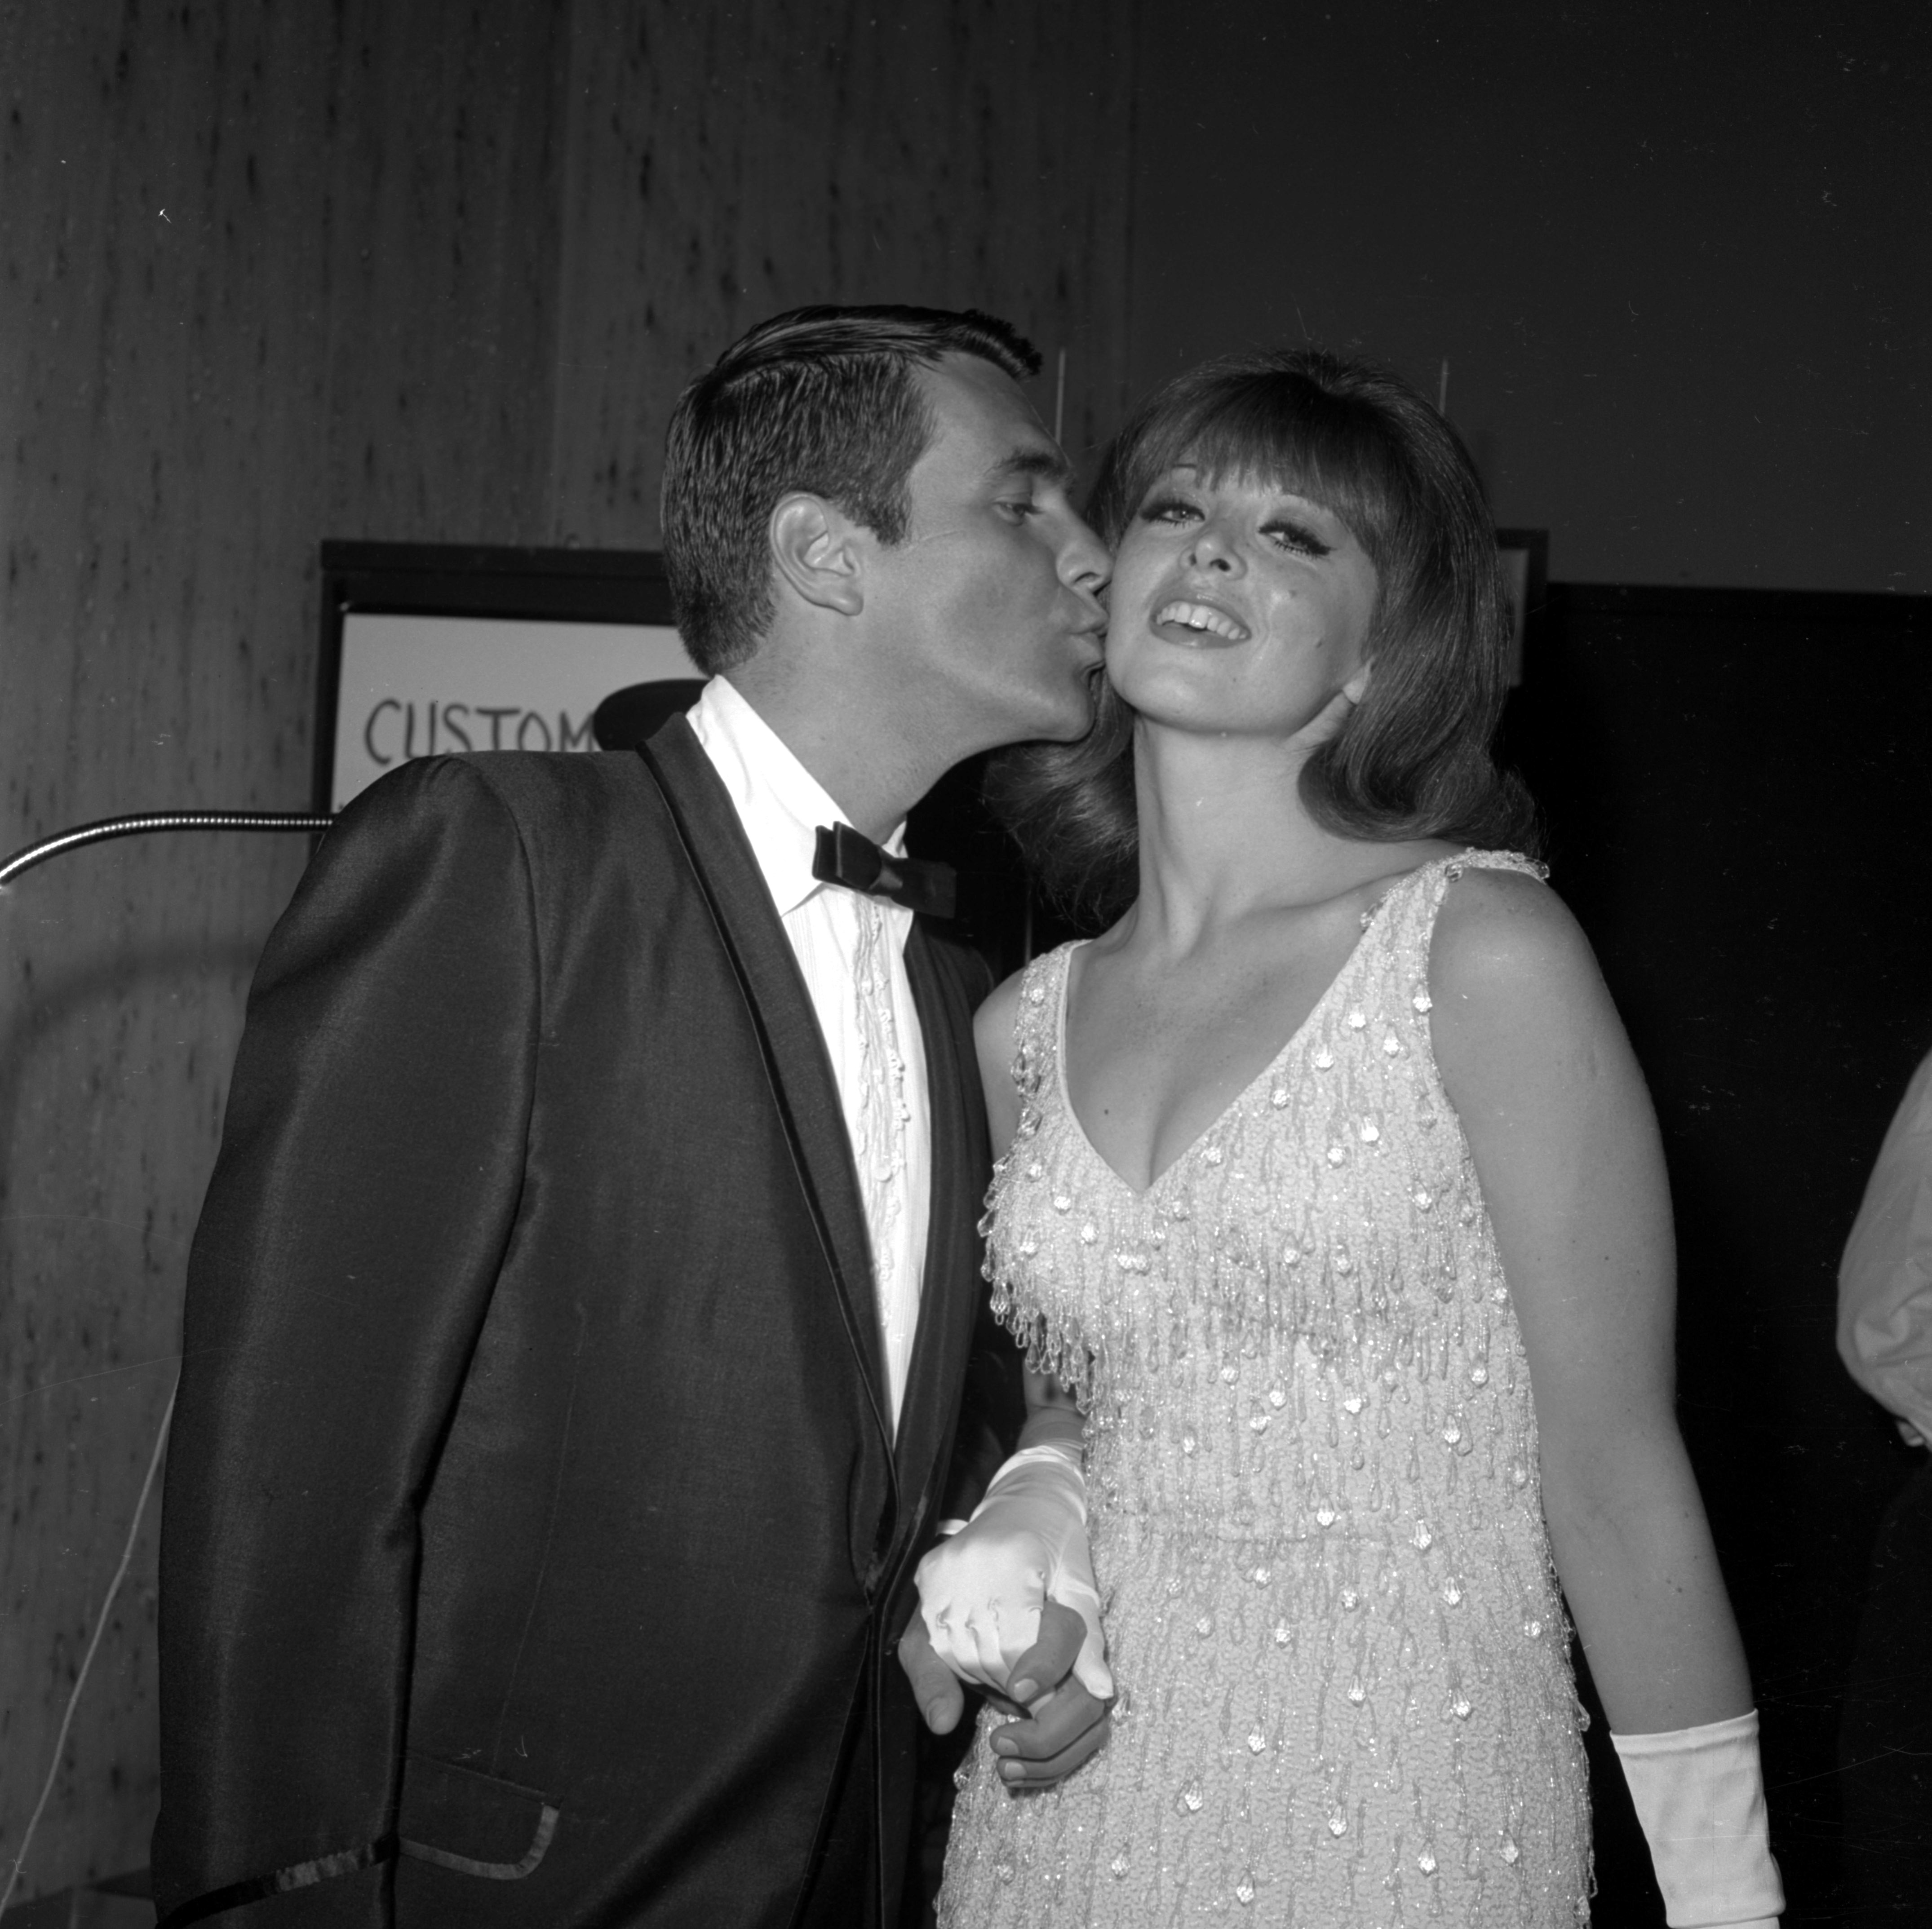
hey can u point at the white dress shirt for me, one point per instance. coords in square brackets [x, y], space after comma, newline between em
[844, 941]
[1884, 1283]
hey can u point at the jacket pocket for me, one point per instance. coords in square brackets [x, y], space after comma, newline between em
[473, 1823]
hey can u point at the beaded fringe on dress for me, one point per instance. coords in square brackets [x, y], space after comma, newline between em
[1313, 1500]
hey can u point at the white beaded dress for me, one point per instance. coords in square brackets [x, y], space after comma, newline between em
[1345, 1688]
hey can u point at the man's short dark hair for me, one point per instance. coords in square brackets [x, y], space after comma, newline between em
[821, 400]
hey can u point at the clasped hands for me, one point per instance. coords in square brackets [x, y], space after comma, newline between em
[1009, 1603]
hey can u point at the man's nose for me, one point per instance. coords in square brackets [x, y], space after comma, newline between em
[1085, 563]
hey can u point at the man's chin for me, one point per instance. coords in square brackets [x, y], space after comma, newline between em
[1078, 706]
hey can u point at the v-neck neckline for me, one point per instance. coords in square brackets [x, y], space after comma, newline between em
[1141, 1193]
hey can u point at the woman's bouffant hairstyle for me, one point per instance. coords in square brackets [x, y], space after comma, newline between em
[1412, 760]
[819, 399]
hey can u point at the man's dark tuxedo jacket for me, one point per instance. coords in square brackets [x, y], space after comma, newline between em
[535, 1537]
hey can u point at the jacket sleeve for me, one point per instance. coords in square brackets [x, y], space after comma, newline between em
[1884, 1280]
[367, 1186]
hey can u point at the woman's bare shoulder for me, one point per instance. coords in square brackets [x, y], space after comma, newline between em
[1507, 952]
[993, 1022]
[1498, 929]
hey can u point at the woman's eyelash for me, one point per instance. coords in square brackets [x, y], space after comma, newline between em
[1298, 536]
[1164, 506]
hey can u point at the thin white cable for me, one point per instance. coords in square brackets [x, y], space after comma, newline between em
[87, 1659]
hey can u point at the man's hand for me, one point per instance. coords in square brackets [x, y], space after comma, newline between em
[1061, 1724]
[934, 1686]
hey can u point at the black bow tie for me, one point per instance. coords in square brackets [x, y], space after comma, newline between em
[848, 857]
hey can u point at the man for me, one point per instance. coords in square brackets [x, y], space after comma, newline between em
[1885, 1338]
[577, 1319]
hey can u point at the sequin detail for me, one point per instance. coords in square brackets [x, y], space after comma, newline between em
[1312, 1505]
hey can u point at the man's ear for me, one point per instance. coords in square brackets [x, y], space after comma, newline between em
[818, 550]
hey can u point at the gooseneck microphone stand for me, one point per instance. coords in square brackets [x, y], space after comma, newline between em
[131, 826]
[24, 860]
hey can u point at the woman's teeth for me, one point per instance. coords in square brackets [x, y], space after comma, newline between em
[1199, 616]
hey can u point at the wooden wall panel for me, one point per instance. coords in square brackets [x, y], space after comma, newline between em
[429, 271]
[729, 161]
[269, 274]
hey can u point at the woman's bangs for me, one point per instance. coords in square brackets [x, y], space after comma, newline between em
[1289, 435]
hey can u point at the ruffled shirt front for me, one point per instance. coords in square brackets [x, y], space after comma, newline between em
[851, 950]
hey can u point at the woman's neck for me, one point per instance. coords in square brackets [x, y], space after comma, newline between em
[1224, 834]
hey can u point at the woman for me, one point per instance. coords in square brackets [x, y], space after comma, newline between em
[1334, 1202]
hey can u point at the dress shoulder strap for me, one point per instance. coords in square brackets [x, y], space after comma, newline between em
[1472, 859]
[1037, 1023]
[1025, 1296]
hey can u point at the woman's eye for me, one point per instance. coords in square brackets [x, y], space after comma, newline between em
[1297, 537]
[1169, 509]
[1020, 509]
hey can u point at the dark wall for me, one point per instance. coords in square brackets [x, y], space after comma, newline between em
[1739, 813]
[1675, 255]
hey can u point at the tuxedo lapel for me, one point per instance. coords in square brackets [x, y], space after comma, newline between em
[949, 1292]
[775, 994]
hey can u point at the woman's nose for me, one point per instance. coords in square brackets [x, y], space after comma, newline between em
[1211, 549]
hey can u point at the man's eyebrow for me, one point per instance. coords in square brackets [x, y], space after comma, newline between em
[1049, 464]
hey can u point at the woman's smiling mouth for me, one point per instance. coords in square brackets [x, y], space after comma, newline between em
[1201, 620]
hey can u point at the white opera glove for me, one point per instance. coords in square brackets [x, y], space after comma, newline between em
[981, 1592]
[1699, 1794]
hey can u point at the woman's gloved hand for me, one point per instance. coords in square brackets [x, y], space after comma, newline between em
[1699, 1795]
[981, 1591]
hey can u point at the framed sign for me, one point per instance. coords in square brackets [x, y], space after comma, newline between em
[1525, 556]
[427, 649]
